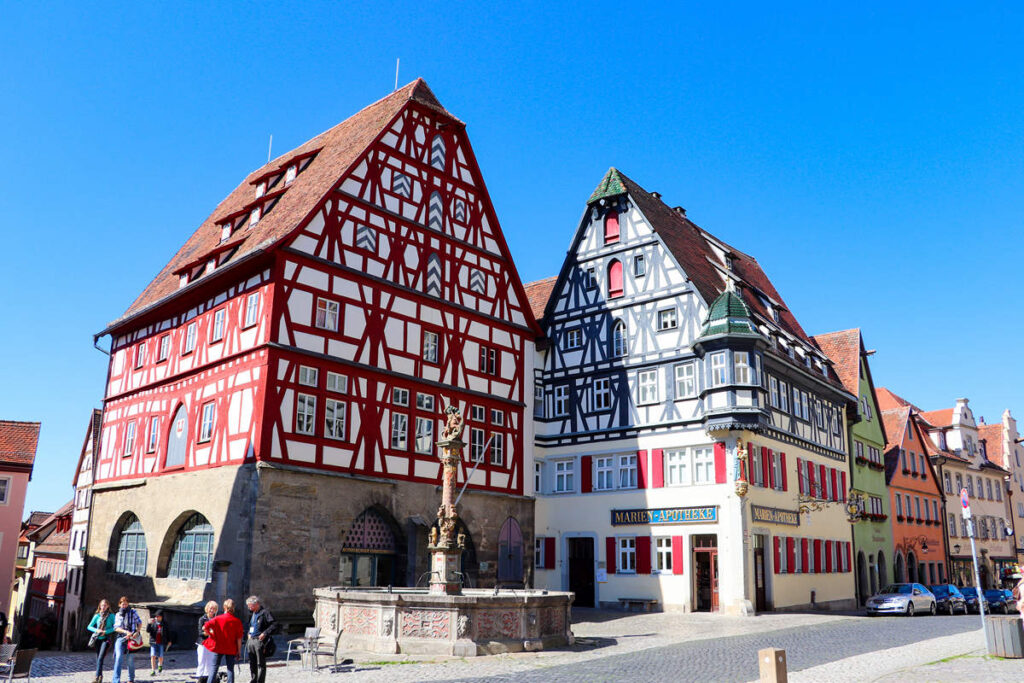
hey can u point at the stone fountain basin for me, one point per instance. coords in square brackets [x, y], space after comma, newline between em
[416, 621]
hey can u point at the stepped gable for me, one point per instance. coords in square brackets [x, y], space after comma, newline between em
[18, 442]
[335, 151]
[538, 293]
[843, 349]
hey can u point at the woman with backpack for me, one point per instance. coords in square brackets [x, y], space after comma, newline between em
[102, 627]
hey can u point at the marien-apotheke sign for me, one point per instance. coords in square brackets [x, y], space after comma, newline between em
[775, 515]
[665, 516]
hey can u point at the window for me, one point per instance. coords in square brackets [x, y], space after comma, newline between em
[604, 472]
[615, 289]
[305, 414]
[477, 413]
[326, 314]
[796, 402]
[922, 469]
[741, 367]
[254, 216]
[538, 552]
[917, 507]
[430, 340]
[252, 309]
[573, 338]
[129, 438]
[703, 466]
[647, 386]
[627, 471]
[959, 483]
[497, 418]
[602, 394]
[498, 449]
[538, 400]
[718, 376]
[627, 555]
[307, 376]
[289, 175]
[488, 360]
[819, 416]
[425, 435]
[206, 422]
[192, 555]
[561, 400]
[476, 443]
[140, 355]
[225, 231]
[537, 477]
[401, 184]
[783, 396]
[154, 432]
[399, 431]
[999, 491]
[425, 402]
[667, 320]
[564, 479]
[806, 405]
[988, 488]
[611, 227]
[190, 338]
[337, 383]
[639, 266]
[400, 397]
[946, 482]
[618, 339]
[217, 331]
[164, 348]
[663, 554]
[773, 387]
[590, 278]
[970, 486]
[686, 384]
[952, 524]
[677, 468]
[131, 548]
[334, 419]
[935, 510]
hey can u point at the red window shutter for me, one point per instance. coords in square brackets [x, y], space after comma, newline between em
[643, 554]
[782, 466]
[586, 474]
[658, 468]
[835, 489]
[677, 554]
[848, 556]
[804, 556]
[614, 279]
[791, 554]
[799, 477]
[641, 471]
[720, 462]
[549, 552]
[842, 490]
[611, 227]
[822, 481]
[765, 467]
[751, 449]
[778, 553]
[817, 556]
[828, 557]
[810, 479]
[609, 551]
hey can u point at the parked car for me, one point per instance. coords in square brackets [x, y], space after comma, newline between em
[1011, 603]
[902, 598]
[996, 600]
[971, 598]
[948, 598]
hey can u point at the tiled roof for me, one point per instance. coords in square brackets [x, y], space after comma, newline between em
[55, 544]
[895, 422]
[36, 518]
[538, 293]
[939, 418]
[18, 442]
[336, 150]
[728, 315]
[890, 401]
[843, 349]
[993, 435]
[610, 186]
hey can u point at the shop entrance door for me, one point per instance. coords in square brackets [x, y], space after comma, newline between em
[581, 570]
[705, 560]
[760, 594]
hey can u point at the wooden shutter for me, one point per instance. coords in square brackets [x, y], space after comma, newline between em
[657, 468]
[828, 557]
[842, 490]
[799, 478]
[817, 556]
[810, 479]
[750, 462]
[766, 476]
[720, 462]
[835, 489]
[611, 227]
[615, 279]
[643, 554]
[609, 551]
[778, 553]
[847, 568]
[791, 554]
[782, 467]
[549, 552]
[586, 474]
[677, 554]
[641, 471]
[823, 481]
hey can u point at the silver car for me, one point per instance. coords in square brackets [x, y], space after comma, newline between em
[902, 598]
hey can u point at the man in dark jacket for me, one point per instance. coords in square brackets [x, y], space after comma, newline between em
[261, 628]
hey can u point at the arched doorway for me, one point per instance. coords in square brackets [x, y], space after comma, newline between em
[177, 439]
[862, 577]
[883, 575]
[371, 554]
[912, 567]
[873, 574]
[510, 552]
[900, 575]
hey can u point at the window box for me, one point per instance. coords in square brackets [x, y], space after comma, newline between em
[906, 471]
[876, 466]
[899, 518]
[862, 461]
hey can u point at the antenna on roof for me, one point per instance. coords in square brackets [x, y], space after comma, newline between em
[270, 146]
[397, 60]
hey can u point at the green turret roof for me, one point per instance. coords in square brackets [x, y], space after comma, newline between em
[729, 315]
[610, 186]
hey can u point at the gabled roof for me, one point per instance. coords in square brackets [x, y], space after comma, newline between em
[887, 400]
[895, 422]
[538, 293]
[939, 418]
[91, 443]
[844, 350]
[35, 518]
[993, 436]
[335, 151]
[18, 442]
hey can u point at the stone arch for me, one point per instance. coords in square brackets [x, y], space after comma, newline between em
[373, 550]
[174, 535]
[128, 548]
[863, 583]
[883, 576]
[899, 569]
[912, 576]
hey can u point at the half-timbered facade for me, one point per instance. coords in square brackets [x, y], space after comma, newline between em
[687, 429]
[274, 395]
[74, 634]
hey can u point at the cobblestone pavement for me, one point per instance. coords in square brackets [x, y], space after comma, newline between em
[612, 646]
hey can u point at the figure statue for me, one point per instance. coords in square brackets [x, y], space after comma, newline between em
[433, 536]
[453, 425]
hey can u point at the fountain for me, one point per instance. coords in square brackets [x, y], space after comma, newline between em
[445, 618]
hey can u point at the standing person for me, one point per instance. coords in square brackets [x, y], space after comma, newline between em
[262, 628]
[204, 657]
[1018, 593]
[225, 639]
[159, 640]
[127, 624]
[102, 627]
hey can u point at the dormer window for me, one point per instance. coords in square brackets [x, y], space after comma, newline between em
[225, 232]
[254, 217]
[611, 227]
[289, 175]
[261, 190]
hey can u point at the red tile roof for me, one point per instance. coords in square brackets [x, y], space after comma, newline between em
[993, 435]
[336, 150]
[938, 418]
[843, 349]
[18, 442]
[895, 422]
[538, 293]
[36, 518]
[890, 401]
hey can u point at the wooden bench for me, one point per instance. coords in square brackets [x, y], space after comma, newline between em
[646, 604]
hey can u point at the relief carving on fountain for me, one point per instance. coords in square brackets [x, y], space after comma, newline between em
[423, 623]
[361, 620]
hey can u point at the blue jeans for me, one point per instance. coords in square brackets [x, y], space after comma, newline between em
[120, 653]
[227, 659]
[102, 647]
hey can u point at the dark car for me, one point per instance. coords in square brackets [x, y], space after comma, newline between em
[1011, 603]
[948, 598]
[971, 598]
[996, 600]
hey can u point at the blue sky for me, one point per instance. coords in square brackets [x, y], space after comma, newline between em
[868, 156]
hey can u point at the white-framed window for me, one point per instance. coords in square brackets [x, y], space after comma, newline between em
[334, 419]
[337, 383]
[400, 397]
[424, 435]
[498, 449]
[497, 418]
[604, 470]
[425, 402]
[565, 476]
[773, 391]
[677, 468]
[430, 346]
[254, 216]
[796, 402]
[538, 477]
[618, 339]
[627, 471]
[129, 438]
[703, 466]
[639, 266]
[602, 393]
[663, 554]
[819, 416]
[399, 431]
[783, 396]
[225, 231]
[686, 380]
[561, 400]
[538, 552]
[647, 386]
[538, 400]
[326, 314]
[140, 355]
[154, 434]
[477, 440]
[573, 338]
[217, 331]
[305, 414]
[718, 374]
[488, 361]
[806, 405]
[164, 350]
[477, 413]
[206, 421]
[627, 555]
[190, 338]
[308, 376]
[289, 175]
[741, 367]
[668, 319]
[252, 309]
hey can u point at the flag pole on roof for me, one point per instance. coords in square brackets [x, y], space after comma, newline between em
[397, 60]
[270, 146]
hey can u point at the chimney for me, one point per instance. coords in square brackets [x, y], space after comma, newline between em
[680, 210]
[656, 195]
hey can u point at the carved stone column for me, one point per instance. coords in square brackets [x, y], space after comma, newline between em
[444, 546]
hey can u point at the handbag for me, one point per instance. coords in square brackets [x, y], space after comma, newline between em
[134, 642]
[93, 639]
[269, 647]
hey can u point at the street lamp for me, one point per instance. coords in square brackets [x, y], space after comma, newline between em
[956, 548]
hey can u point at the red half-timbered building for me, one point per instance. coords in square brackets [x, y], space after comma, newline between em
[274, 395]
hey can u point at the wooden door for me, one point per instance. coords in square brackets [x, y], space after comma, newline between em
[760, 595]
[581, 570]
[177, 439]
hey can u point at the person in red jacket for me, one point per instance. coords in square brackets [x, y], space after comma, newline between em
[224, 639]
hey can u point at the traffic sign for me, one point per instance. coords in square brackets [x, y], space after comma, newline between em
[965, 501]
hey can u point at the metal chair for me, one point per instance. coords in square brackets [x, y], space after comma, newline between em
[22, 667]
[324, 649]
[304, 644]
[7, 651]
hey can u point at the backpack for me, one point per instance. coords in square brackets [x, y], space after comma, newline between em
[269, 647]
